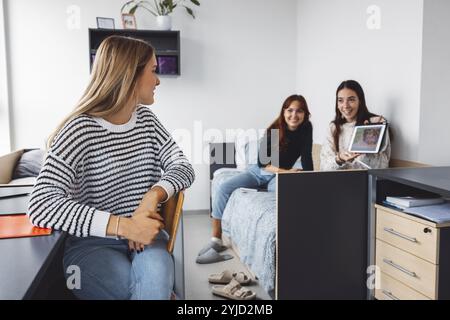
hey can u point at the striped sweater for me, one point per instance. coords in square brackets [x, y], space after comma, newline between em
[94, 169]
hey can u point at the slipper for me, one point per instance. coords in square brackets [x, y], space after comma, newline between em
[214, 245]
[226, 276]
[234, 291]
[212, 256]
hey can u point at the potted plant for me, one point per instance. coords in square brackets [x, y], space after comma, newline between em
[161, 9]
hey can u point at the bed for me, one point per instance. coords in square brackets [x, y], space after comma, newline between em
[249, 223]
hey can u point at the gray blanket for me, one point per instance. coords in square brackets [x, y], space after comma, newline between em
[249, 220]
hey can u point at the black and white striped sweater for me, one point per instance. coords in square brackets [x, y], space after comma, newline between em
[94, 169]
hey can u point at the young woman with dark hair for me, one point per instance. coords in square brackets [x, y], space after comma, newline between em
[351, 110]
[276, 154]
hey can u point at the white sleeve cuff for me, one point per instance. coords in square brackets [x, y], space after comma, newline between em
[99, 223]
[170, 191]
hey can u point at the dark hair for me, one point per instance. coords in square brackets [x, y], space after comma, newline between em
[363, 112]
[280, 122]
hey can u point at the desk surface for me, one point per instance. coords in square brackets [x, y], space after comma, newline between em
[23, 262]
[433, 179]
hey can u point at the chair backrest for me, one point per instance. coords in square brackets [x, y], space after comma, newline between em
[171, 211]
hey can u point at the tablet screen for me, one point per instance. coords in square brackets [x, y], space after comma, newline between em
[367, 139]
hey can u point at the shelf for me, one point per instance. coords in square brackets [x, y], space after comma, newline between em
[166, 44]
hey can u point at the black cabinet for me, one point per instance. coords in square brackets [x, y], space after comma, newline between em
[166, 44]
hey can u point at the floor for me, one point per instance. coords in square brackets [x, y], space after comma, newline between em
[197, 232]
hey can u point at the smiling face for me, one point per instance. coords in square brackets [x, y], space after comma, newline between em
[348, 104]
[294, 115]
[370, 136]
[147, 83]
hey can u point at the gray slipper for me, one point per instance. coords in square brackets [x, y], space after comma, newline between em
[214, 245]
[212, 256]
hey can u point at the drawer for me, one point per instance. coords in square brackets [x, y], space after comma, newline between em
[415, 272]
[416, 238]
[391, 289]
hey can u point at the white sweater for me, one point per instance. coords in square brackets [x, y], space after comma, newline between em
[328, 152]
[94, 169]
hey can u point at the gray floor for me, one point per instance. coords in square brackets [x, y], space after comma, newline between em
[197, 232]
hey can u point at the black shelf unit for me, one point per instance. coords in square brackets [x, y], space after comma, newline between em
[166, 44]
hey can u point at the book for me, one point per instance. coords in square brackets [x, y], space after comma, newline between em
[18, 226]
[438, 213]
[393, 205]
[408, 202]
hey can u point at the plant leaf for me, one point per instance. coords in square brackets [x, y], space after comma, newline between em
[125, 5]
[133, 9]
[196, 2]
[189, 10]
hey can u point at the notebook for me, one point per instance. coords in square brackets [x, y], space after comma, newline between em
[18, 226]
[414, 201]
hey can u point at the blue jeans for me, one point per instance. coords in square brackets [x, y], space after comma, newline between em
[253, 177]
[110, 271]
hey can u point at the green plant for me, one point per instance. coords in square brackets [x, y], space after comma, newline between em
[158, 7]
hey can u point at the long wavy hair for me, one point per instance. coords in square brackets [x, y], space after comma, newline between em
[118, 64]
[362, 115]
[280, 122]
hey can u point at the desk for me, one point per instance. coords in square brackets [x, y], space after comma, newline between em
[412, 182]
[24, 261]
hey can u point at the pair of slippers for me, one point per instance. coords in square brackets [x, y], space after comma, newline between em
[233, 288]
[210, 254]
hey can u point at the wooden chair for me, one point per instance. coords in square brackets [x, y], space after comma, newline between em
[171, 212]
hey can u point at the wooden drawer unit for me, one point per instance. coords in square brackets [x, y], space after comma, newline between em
[409, 235]
[407, 268]
[410, 256]
[391, 289]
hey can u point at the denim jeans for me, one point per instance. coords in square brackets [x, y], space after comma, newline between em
[253, 177]
[110, 271]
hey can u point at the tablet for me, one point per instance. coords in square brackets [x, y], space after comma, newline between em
[367, 138]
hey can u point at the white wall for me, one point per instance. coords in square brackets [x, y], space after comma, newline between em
[335, 44]
[238, 64]
[435, 102]
[4, 96]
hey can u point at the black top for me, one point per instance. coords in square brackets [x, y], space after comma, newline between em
[299, 143]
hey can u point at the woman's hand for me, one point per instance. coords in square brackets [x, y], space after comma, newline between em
[377, 119]
[347, 156]
[138, 246]
[150, 203]
[142, 228]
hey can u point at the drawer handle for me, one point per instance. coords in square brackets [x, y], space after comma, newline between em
[396, 266]
[390, 295]
[398, 234]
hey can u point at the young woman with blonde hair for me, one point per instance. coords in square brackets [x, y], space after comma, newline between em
[102, 182]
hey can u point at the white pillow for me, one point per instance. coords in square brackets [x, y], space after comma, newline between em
[246, 151]
[239, 146]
